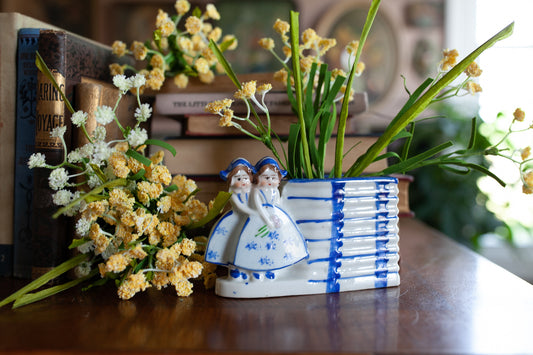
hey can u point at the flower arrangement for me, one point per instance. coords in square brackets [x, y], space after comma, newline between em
[133, 217]
[314, 91]
[175, 53]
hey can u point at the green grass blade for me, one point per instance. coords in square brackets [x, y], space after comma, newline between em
[401, 121]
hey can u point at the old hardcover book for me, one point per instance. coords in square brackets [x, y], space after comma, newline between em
[91, 93]
[210, 155]
[10, 23]
[69, 57]
[28, 39]
[194, 98]
[207, 125]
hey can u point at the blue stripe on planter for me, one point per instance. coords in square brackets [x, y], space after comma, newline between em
[381, 243]
[337, 192]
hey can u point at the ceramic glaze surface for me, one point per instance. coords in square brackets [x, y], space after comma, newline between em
[350, 229]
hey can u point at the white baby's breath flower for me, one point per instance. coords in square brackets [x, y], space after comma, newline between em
[143, 113]
[137, 81]
[73, 210]
[86, 247]
[79, 118]
[137, 137]
[74, 157]
[104, 115]
[62, 197]
[58, 132]
[99, 133]
[86, 150]
[94, 181]
[82, 269]
[83, 226]
[37, 160]
[58, 179]
[122, 83]
[101, 152]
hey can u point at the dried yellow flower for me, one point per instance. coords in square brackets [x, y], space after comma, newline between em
[182, 7]
[473, 70]
[193, 25]
[519, 115]
[449, 59]
[266, 43]
[119, 48]
[281, 26]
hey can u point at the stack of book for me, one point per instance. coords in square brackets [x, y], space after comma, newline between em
[32, 241]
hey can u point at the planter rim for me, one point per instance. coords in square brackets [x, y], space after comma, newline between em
[362, 178]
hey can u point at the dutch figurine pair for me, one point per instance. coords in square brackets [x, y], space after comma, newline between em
[257, 238]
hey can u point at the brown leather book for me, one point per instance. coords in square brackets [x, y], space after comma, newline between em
[69, 57]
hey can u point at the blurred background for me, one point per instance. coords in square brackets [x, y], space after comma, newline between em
[407, 40]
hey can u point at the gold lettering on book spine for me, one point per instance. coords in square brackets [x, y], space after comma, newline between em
[50, 111]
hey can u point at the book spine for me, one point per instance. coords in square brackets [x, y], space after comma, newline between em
[278, 103]
[28, 39]
[8, 33]
[49, 236]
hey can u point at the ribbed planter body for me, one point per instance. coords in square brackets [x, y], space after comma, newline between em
[351, 230]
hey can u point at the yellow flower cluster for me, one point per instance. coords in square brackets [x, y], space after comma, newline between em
[143, 219]
[177, 53]
[312, 48]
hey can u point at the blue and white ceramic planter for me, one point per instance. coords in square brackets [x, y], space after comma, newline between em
[350, 228]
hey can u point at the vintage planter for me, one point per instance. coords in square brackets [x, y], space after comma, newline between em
[350, 228]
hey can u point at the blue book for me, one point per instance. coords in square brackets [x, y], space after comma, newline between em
[28, 39]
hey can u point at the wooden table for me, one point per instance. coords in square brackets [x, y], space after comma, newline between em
[451, 301]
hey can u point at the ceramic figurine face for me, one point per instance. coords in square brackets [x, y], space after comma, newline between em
[268, 178]
[241, 180]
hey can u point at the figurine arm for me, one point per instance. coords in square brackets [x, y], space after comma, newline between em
[261, 210]
[240, 206]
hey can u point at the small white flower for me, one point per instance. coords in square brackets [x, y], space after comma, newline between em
[86, 150]
[104, 115]
[101, 152]
[62, 197]
[137, 137]
[58, 179]
[99, 133]
[122, 83]
[138, 80]
[83, 269]
[37, 160]
[94, 181]
[83, 226]
[86, 247]
[74, 157]
[58, 132]
[79, 118]
[143, 113]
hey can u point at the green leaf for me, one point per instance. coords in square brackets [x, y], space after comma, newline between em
[406, 117]
[227, 66]
[171, 188]
[37, 296]
[95, 191]
[139, 157]
[138, 176]
[297, 75]
[44, 279]
[417, 160]
[162, 144]
[341, 129]
[217, 207]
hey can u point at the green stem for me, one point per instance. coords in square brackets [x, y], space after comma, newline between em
[341, 130]
[295, 48]
[34, 297]
[44, 279]
[401, 121]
